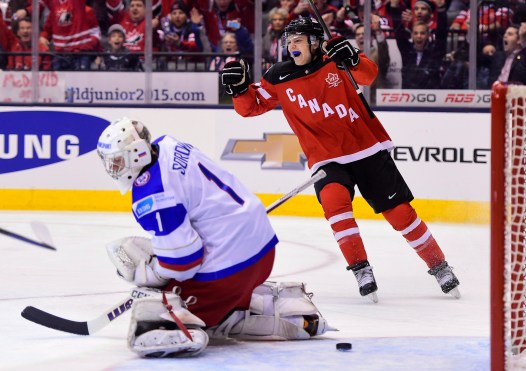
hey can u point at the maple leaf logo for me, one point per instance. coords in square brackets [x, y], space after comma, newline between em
[333, 80]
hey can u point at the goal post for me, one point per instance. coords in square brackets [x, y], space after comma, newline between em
[508, 226]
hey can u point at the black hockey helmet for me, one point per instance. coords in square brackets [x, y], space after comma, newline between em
[304, 26]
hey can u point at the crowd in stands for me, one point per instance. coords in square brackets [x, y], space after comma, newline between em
[431, 35]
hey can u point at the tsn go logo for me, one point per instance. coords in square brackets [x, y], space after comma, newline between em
[408, 97]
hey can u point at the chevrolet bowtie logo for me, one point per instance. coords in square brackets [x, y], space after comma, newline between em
[275, 151]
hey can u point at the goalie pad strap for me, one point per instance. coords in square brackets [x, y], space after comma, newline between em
[181, 325]
[161, 325]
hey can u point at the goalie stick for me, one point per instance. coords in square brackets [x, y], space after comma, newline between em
[89, 327]
[46, 319]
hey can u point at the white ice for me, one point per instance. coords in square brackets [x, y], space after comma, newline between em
[413, 327]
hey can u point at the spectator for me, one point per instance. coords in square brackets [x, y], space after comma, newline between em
[23, 29]
[116, 56]
[484, 62]
[7, 43]
[134, 23]
[303, 10]
[422, 12]
[228, 45]
[421, 58]
[492, 20]
[455, 68]
[379, 54]
[227, 16]
[347, 18]
[508, 64]
[293, 7]
[181, 32]
[272, 48]
[73, 29]
[8, 9]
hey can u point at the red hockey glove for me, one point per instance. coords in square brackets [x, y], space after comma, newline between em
[340, 50]
[236, 77]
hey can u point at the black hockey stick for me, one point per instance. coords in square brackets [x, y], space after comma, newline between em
[319, 175]
[46, 319]
[40, 231]
[353, 82]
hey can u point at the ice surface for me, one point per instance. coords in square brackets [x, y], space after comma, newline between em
[413, 327]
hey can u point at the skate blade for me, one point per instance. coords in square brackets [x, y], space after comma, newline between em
[373, 297]
[455, 293]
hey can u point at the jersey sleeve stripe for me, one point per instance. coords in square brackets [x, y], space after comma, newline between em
[181, 267]
[264, 93]
[188, 259]
[210, 276]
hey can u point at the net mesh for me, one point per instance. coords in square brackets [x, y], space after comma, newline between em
[515, 209]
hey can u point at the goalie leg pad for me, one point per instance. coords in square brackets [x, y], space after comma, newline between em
[170, 343]
[154, 332]
[278, 311]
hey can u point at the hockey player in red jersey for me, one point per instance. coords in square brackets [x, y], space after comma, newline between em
[338, 135]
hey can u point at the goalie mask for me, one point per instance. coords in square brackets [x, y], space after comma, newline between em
[125, 149]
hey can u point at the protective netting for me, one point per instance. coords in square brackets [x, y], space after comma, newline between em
[515, 230]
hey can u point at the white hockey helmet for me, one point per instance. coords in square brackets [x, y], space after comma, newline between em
[125, 149]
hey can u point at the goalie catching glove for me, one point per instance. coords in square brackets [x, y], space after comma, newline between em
[340, 50]
[236, 77]
[135, 262]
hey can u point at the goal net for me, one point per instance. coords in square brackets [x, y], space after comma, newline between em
[508, 227]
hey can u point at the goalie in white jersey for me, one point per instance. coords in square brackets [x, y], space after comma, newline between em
[212, 248]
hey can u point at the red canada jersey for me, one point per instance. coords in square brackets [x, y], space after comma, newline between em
[72, 26]
[135, 37]
[322, 108]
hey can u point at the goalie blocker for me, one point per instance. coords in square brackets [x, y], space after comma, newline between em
[162, 324]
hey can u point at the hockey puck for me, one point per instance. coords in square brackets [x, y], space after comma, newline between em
[344, 347]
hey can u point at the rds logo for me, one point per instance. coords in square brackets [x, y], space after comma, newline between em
[30, 139]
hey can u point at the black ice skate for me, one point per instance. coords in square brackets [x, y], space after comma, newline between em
[446, 279]
[365, 277]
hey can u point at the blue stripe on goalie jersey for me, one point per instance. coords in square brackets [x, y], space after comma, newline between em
[154, 185]
[162, 221]
[183, 260]
[210, 276]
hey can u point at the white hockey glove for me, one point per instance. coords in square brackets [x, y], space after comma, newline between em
[135, 262]
[340, 50]
[236, 77]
